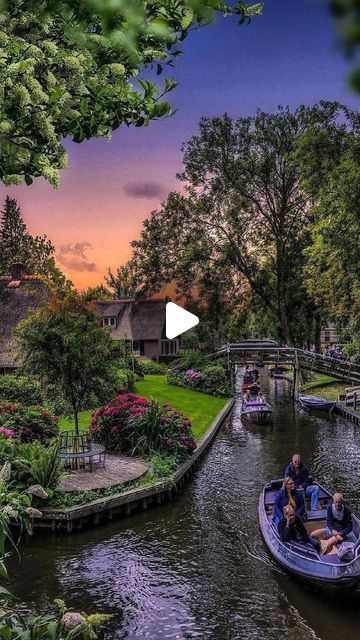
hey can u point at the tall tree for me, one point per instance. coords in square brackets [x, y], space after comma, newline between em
[245, 214]
[330, 159]
[36, 252]
[69, 69]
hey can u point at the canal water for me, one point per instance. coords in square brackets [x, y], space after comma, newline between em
[197, 568]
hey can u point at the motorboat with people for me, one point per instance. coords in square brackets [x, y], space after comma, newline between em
[257, 410]
[314, 403]
[329, 572]
[250, 381]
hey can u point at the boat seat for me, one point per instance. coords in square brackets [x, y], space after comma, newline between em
[320, 514]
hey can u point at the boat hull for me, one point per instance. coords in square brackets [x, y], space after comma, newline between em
[312, 403]
[305, 564]
[257, 413]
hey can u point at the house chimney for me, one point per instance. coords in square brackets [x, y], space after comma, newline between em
[18, 269]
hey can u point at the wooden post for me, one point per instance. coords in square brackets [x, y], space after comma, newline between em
[296, 382]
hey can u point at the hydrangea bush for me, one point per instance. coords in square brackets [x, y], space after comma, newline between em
[27, 423]
[212, 379]
[133, 425]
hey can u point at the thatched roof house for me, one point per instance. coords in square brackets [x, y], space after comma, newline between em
[20, 295]
[141, 323]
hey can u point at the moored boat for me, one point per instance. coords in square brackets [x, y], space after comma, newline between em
[326, 572]
[315, 403]
[256, 411]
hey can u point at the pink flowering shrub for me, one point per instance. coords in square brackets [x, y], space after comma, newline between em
[133, 425]
[27, 424]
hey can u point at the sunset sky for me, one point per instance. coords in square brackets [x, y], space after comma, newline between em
[288, 56]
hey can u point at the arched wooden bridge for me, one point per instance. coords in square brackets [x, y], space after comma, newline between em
[264, 353]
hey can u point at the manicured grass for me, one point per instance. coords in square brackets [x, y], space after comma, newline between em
[324, 387]
[67, 424]
[201, 408]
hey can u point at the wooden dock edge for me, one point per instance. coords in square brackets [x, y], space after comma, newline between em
[123, 504]
[343, 411]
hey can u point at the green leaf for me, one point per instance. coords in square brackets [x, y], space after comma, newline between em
[187, 19]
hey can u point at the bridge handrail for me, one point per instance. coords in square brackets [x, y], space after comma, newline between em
[326, 364]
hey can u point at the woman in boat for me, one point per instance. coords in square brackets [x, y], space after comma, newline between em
[288, 494]
[261, 398]
[339, 525]
[246, 396]
[291, 527]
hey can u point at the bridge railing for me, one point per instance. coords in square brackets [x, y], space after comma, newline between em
[345, 370]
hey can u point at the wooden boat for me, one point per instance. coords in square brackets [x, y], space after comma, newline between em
[315, 403]
[260, 412]
[326, 572]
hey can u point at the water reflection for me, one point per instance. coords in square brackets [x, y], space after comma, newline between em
[198, 568]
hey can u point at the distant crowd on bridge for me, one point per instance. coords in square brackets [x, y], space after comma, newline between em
[336, 352]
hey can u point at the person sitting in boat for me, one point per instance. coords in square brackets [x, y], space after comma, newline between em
[261, 398]
[300, 474]
[291, 527]
[247, 396]
[339, 525]
[288, 494]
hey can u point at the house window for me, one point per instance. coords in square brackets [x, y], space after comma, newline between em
[109, 321]
[327, 336]
[169, 347]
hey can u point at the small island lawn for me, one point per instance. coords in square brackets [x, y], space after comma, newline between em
[324, 387]
[200, 408]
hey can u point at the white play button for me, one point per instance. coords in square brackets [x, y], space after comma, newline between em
[178, 320]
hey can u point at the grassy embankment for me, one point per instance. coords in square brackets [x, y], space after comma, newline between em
[324, 387]
[200, 408]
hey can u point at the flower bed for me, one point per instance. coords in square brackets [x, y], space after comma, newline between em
[133, 425]
[211, 379]
[27, 423]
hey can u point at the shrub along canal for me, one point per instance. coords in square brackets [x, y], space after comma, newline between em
[197, 567]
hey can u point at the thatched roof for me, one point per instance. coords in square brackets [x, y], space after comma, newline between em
[18, 299]
[135, 319]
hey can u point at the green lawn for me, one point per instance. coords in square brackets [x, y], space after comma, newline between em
[324, 387]
[67, 424]
[199, 407]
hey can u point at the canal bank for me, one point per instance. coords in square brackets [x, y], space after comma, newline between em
[125, 503]
[197, 568]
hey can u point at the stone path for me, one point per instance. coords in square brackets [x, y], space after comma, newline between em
[117, 469]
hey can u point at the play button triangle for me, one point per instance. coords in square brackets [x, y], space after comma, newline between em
[178, 320]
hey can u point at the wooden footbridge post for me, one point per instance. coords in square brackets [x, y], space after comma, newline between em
[296, 378]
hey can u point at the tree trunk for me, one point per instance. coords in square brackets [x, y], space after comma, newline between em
[281, 303]
[76, 420]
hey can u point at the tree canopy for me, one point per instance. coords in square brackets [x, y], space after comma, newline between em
[242, 229]
[69, 68]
